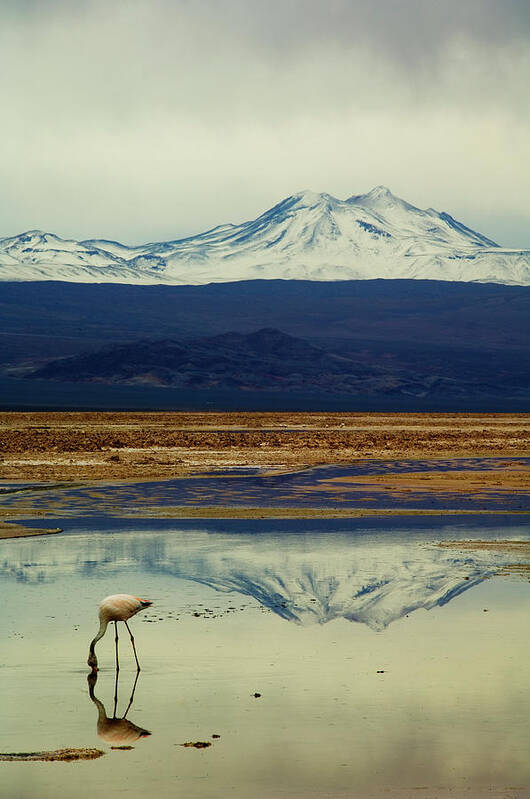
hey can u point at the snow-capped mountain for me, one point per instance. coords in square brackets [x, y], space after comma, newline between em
[306, 579]
[308, 236]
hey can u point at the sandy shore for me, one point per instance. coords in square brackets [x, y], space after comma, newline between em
[14, 530]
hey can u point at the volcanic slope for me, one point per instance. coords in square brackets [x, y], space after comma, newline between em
[307, 236]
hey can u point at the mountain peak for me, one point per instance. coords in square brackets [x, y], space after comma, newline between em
[308, 235]
[380, 191]
[38, 234]
[379, 196]
[34, 238]
[309, 197]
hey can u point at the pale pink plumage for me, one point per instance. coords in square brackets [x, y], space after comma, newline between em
[117, 607]
[120, 607]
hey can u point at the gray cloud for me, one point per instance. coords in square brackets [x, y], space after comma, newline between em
[145, 119]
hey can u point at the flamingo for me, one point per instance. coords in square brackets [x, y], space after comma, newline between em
[117, 607]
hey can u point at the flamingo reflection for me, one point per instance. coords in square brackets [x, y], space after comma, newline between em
[115, 731]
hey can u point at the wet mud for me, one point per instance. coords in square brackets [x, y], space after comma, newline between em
[58, 756]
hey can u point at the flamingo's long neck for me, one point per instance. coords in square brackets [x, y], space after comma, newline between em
[101, 632]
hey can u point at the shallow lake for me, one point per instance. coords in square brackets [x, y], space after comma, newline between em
[317, 487]
[386, 664]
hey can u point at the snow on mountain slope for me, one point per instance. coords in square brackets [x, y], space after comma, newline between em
[307, 236]
[36, 255]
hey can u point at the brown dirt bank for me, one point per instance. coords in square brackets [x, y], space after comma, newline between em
[520, 547]
[14, 530]
[142, 446]
[514, 478]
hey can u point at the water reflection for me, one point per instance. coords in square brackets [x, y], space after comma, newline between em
[308, 578]
[115, 731]
[441, 700]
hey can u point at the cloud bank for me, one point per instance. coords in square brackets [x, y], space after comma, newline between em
[152, 119]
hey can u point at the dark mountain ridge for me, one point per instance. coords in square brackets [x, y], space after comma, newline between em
[264, 360]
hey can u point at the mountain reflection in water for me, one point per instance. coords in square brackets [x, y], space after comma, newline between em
[306, 578]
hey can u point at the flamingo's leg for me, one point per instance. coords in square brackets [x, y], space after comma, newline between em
[116, 643]
[133, 646]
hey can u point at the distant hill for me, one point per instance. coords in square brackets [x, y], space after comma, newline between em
[307, 236]
[269, 360]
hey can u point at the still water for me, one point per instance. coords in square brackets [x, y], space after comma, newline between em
[386, 665]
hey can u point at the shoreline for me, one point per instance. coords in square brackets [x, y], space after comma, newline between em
[12, 529]
[92, 450]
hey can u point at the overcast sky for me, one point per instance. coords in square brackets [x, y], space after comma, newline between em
[151, 119]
